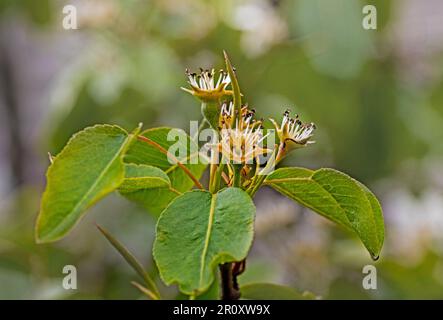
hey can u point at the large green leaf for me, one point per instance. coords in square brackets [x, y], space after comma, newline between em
[148, 186]
[142, 153]
[88, 168]
[337, 197]
[271, 291]
[200, 230]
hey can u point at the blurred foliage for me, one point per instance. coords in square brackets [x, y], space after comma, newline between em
[125, 65]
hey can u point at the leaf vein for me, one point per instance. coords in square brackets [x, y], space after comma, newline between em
[208, 237]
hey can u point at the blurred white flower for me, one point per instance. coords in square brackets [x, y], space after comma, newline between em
[416, 34]
[192, 19]
[96, 13]
[261, 24]
[414, 223]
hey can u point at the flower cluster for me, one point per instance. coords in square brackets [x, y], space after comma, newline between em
[240, 135]
[240, 143]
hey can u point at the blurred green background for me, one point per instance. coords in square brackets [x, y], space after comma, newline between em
[376, 97]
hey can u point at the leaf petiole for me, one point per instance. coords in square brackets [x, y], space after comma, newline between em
[132, 261]
[170, 155]
[145, 290]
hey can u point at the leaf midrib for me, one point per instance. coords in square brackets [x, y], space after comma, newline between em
[283, 180]
[167, 183]
[207, 238]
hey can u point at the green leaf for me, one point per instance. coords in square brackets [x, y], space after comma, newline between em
[143, 153]
[337, 197]
[131, 260]
[270, 291]
[200, 230]
[88, 168]
[143, 177]
[234, 83]
[148, 186]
